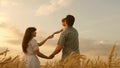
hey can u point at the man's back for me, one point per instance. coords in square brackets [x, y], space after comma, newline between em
[70, 41]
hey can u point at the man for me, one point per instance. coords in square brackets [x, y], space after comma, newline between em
[69, 40]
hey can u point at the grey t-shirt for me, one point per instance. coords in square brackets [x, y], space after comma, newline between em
[70, 41]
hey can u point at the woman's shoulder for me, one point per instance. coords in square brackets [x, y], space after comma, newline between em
[33, 41]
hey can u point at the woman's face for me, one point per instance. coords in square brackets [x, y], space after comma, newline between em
[34, 34]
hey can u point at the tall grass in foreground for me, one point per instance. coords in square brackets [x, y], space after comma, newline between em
[73, 61]
[9, 61]
[80, 61]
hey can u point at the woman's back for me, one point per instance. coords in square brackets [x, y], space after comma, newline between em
[30, 58]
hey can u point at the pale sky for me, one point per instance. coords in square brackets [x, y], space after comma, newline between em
[95, 19]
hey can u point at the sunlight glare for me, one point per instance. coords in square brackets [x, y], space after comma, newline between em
[3, 19]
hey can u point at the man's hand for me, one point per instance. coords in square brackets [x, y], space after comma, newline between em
[51, 36]
[57, 50]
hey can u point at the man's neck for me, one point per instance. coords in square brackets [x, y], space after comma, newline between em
[67, 27]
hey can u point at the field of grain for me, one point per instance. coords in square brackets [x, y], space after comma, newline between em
[73, 61]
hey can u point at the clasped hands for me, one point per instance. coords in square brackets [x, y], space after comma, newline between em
[51, 56]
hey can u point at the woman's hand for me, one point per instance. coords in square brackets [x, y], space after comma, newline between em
[49, 37]
[50, 57]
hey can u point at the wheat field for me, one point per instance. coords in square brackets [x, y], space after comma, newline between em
[73, 61]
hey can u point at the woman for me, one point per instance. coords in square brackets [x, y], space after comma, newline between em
[30, 48]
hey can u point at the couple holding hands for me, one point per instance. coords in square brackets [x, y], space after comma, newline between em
[68, 42]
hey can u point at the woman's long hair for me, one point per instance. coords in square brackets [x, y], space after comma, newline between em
[27, 37]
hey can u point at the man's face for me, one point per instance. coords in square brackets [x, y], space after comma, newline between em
[64, 23]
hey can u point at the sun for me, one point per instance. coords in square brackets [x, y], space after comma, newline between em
[3, 19]
[101, 42]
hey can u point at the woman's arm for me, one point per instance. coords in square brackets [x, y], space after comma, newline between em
[41, 43]
[41, 55]
[49, 37]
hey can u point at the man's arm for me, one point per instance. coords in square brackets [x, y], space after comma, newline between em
[56, 51]
[60, 45]
[57, 32]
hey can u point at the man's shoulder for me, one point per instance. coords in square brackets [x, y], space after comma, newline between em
[74, 29]
[70, 30]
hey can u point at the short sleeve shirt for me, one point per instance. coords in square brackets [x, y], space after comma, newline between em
[70, 41]
[32, 46]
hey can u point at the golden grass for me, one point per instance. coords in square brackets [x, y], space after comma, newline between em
[79, 61]
[9, 61]
[73, 61]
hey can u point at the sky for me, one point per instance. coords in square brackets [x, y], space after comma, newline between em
[97, 22]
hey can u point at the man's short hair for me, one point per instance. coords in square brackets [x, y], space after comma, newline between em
[70, 19]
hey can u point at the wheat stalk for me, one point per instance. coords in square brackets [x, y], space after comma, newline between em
[111, 54]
